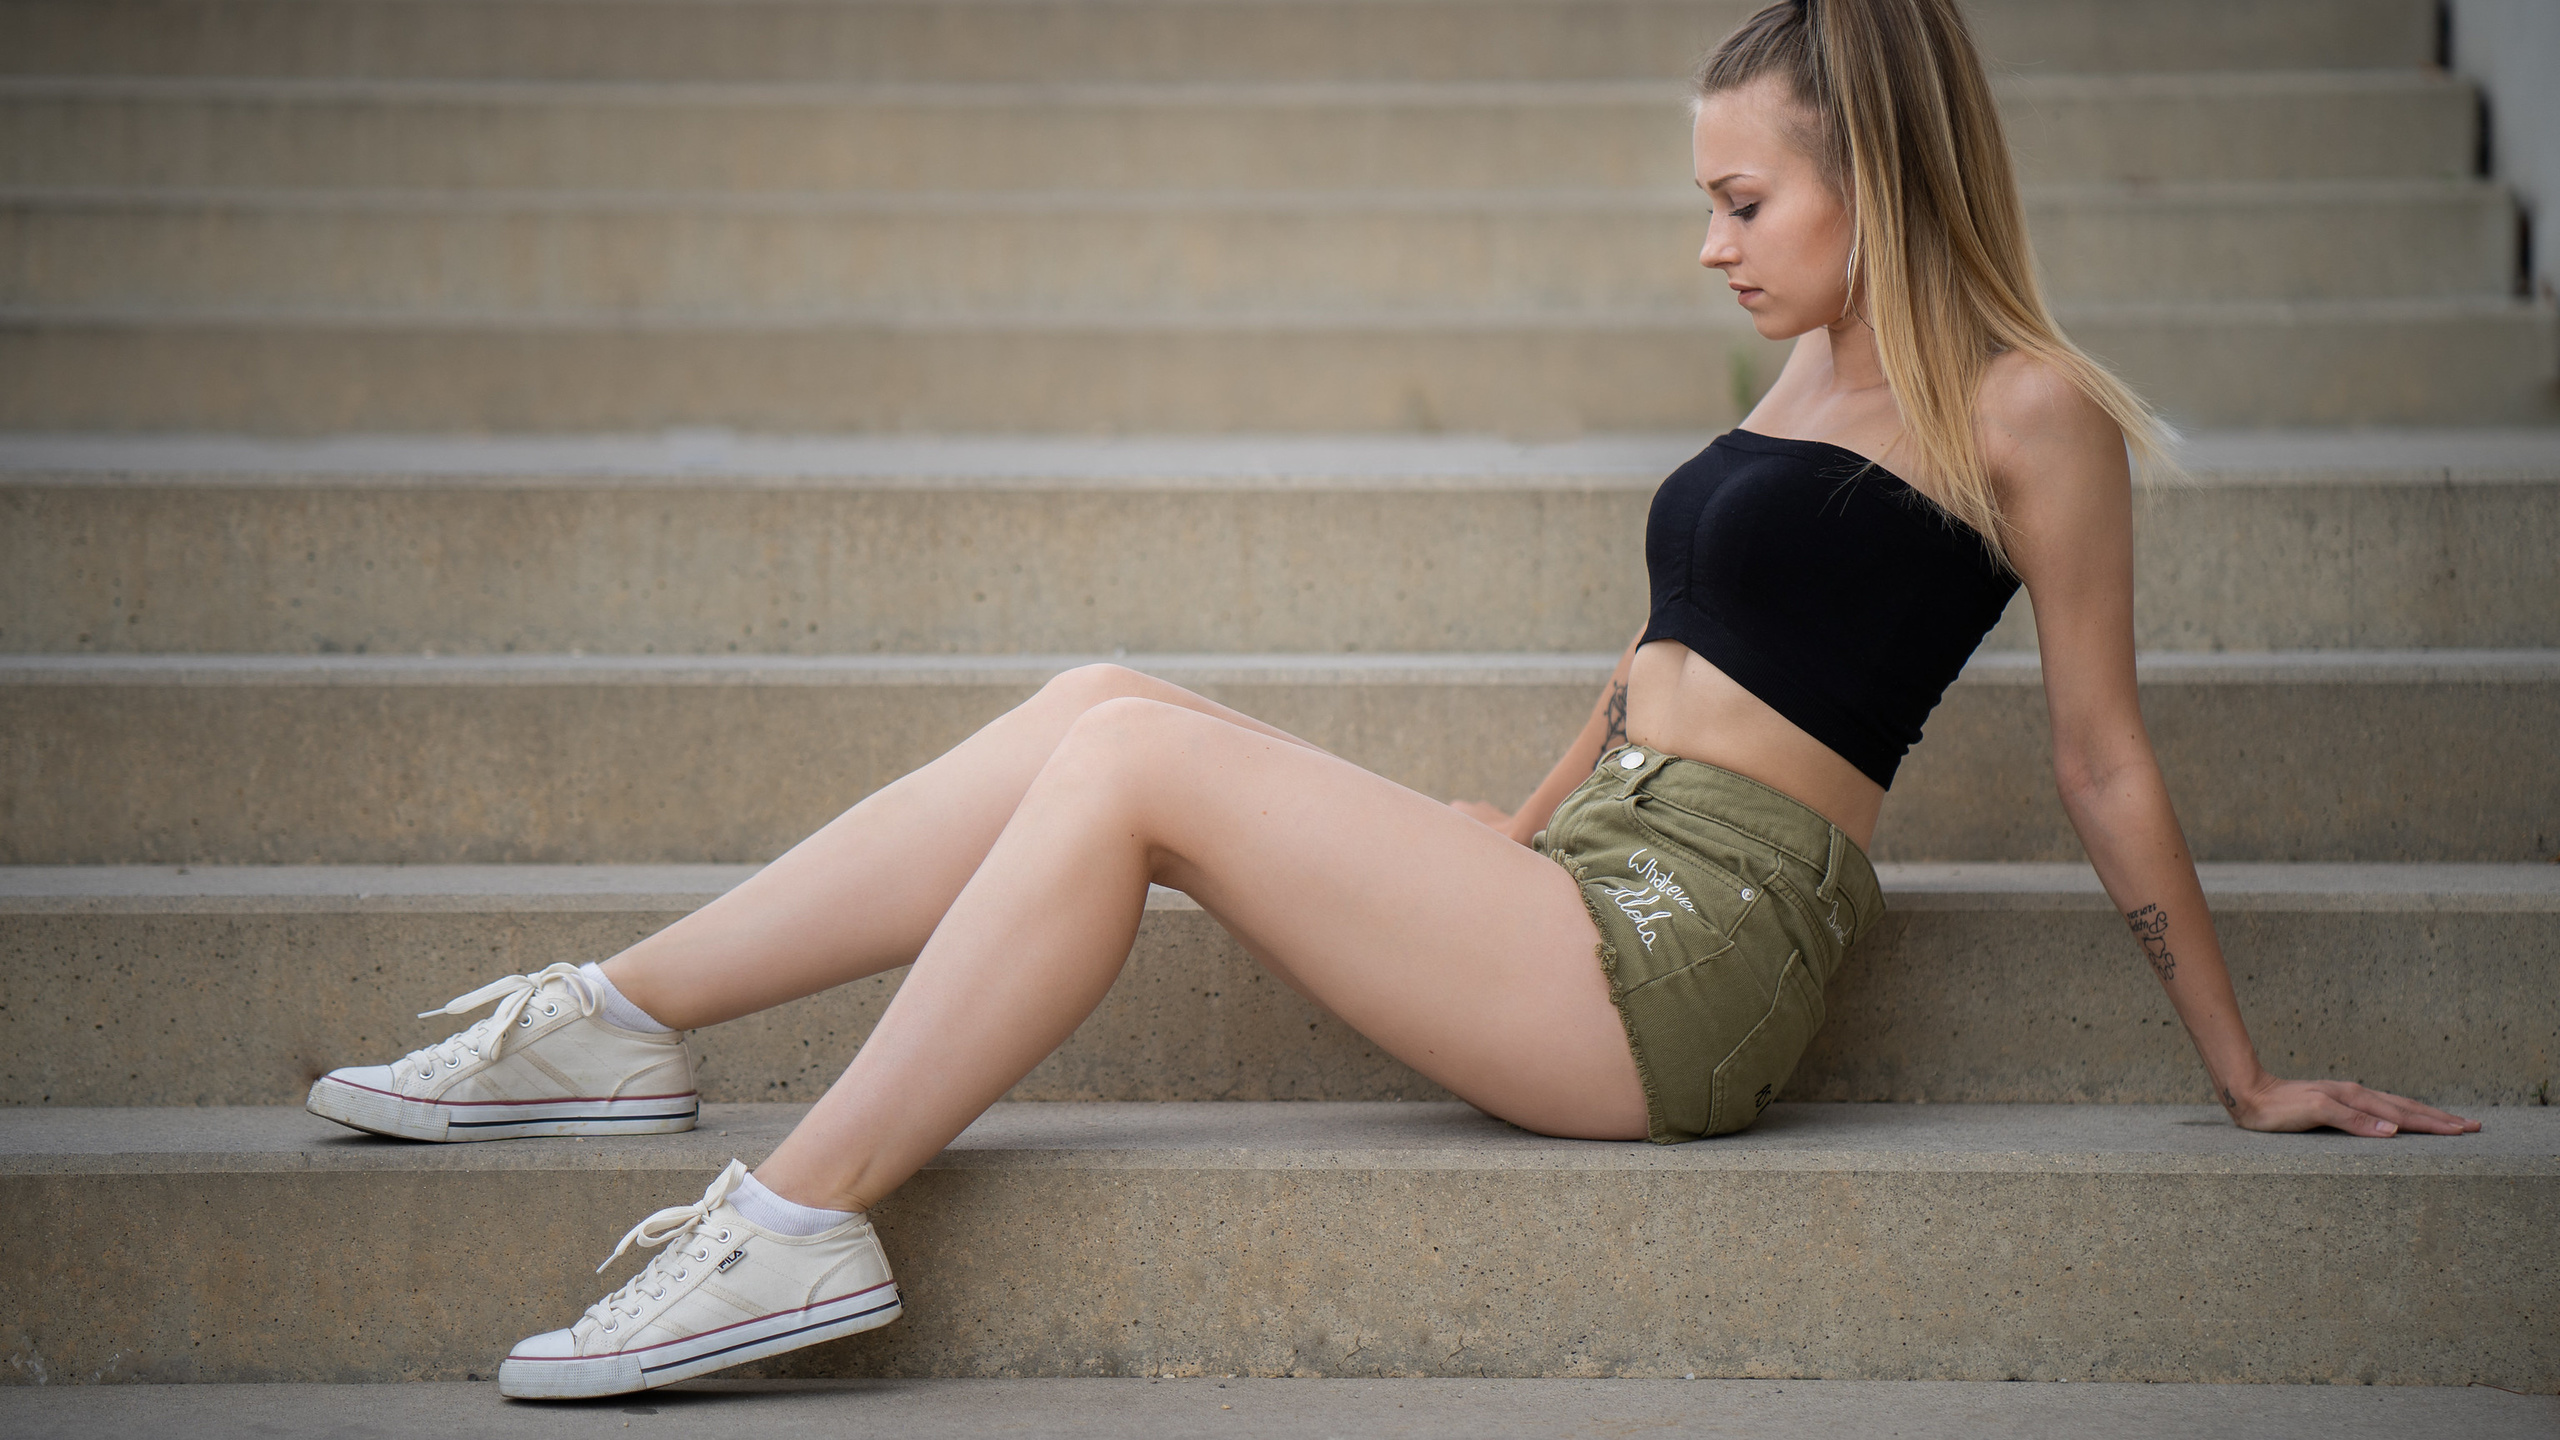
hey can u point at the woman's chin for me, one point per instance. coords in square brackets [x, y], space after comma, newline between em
[1778, 325]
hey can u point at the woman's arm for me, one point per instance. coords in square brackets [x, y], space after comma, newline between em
[1606, 728]
[2066, 487]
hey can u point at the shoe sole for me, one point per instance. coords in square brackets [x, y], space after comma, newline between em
[666, 1363]
[377, 1113]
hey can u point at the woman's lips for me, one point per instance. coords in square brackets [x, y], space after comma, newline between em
[1745, 294]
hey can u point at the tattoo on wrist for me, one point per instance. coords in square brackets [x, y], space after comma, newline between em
[1615, 716]
[2150, 926]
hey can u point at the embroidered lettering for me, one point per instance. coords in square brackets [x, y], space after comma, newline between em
[1633, 903]
[1660, 878]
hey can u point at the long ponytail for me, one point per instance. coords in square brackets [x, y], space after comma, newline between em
[1904, 123]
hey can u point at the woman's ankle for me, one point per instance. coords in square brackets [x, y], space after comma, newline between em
[773, 1212]
[618, 1009]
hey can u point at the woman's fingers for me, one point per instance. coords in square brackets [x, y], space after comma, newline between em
[2407, 1113]
[2344, 1105]
[2340, 1115]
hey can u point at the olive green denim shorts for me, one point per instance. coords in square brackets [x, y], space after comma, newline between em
[1724, 908]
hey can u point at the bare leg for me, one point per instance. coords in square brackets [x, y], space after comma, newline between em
[1465, 955]
[861, 895]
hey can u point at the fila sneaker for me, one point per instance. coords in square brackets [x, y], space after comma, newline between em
[542, 1063]
[724, 1292]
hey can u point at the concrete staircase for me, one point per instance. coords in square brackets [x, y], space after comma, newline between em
[480, 474]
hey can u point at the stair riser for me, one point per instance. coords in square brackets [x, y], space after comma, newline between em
[292, 1275]
[539, 567]
[652, 140]
[1530, 379]
[438, 257]
[1040, 41]
[510, 773]
[1946, 1003]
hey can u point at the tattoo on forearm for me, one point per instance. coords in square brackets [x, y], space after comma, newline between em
[1616, 715]
[2151, 927]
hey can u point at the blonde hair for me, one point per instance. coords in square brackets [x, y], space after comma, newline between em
[1902, 120]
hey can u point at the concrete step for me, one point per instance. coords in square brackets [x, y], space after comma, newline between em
[1536, 374]
[710, 543]
[2111, 1243]
[1157, 1408]
[1049, 40]
[1193, 135]
[150, 252]
[1986, 983]
[2381, 756]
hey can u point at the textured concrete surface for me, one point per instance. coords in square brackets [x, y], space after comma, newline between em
[1329, 134]
[541, 759]
[1157, 1409]
[1042, 39]
[793, 257]
[770, 547]
[1849, 1242]
[1527, 374]
[1533, 374]
[1984, 983]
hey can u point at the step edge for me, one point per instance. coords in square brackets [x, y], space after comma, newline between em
[1987, 668]
[1909, 887]
[2522, 1142]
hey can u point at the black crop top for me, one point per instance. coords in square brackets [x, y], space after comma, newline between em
[1823, 584]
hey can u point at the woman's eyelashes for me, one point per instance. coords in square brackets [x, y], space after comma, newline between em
[1739, 212]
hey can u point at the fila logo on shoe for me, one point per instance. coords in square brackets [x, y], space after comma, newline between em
[734, 1257]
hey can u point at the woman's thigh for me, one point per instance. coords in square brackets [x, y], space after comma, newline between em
[1462, 953]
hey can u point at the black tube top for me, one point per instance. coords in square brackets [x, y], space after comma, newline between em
[1823, 584]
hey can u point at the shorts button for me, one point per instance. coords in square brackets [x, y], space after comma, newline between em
[1632, 760]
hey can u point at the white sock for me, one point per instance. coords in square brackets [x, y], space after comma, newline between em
[617, 1010]
[768, 1211]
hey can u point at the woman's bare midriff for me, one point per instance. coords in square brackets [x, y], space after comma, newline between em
[1681, 705]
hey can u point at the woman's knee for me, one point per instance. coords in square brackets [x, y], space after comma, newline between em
[1087, 686]
[1124, 743]
[1126, 726]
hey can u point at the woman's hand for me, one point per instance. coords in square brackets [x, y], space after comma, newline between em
[2339, 1104]
[1484, 814]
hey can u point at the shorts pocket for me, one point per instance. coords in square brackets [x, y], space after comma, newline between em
[1713, 888]
[1751, 1077]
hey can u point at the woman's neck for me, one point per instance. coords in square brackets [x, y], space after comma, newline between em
[1849, 352]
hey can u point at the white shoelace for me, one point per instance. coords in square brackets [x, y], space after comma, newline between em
[486, 1038]
[676, 1222]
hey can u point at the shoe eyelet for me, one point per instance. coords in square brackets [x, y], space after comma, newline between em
[680, 1274]
[724, 1237]
[612, 1326]
[550, 1009]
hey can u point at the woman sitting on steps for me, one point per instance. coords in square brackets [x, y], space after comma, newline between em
[1818, 577]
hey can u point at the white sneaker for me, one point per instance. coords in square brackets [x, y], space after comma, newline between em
[724, 1293]
[542, 1063]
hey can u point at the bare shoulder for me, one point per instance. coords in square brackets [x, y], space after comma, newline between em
[2040, 429]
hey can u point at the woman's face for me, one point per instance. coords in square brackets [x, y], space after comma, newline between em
[1779, 232]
